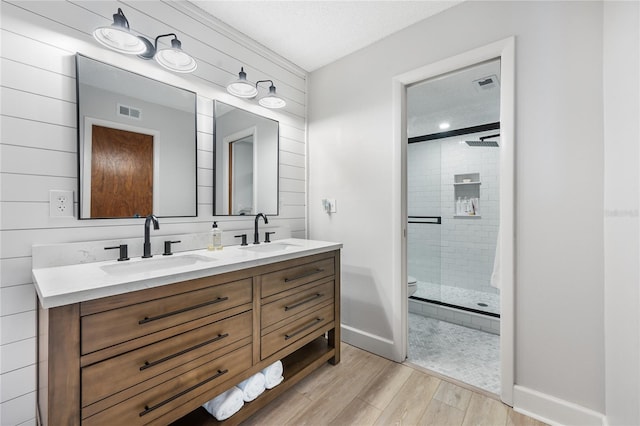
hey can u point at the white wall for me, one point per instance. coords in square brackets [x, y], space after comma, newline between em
[621, 204]
[559, 336]
[38, 146]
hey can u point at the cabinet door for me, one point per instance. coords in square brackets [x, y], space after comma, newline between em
[286, 307]
[286, 279]
[120, 325]
[149, 361]
[293, 331]
[162, 399]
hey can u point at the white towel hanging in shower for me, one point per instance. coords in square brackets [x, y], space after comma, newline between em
[495, 275]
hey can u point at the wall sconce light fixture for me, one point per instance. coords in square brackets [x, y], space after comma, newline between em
[243, 89]
[118, 37]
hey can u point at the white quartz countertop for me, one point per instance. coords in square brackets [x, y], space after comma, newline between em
[63, 285]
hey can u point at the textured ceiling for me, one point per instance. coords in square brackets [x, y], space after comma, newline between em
[312, 34]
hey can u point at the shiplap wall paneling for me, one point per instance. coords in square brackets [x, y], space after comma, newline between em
[38, 146]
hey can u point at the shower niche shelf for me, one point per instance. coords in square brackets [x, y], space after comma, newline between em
[466, 189]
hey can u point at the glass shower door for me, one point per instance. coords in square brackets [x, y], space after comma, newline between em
[424, 231]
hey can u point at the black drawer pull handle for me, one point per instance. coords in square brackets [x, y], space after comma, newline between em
[304, 275]
[148, 409]
[302, 302]
[168, 314]
[289, 336]
[148, 364]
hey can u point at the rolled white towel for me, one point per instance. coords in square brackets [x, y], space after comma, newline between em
[226, 404]
[273, 375]
[273, 383]
[252, 387]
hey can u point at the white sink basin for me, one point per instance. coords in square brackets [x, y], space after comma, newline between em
[270, 247]
[154, 264]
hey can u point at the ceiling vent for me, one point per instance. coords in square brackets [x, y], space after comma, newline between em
[131, 112]
[486, 83]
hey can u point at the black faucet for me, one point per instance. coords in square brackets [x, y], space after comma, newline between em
[147, 244]
[256, 237]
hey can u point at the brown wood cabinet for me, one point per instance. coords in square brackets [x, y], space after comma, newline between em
[155, 356]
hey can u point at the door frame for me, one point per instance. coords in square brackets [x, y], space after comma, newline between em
[505, 50]
[85, 163]
[226, 141]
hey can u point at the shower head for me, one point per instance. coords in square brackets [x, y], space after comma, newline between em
[483, 142]
[491, 144]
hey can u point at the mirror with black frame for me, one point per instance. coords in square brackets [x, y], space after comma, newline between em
[246, 162]
[136, 144]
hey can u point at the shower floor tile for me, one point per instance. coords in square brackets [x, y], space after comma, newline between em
[468, 355]
[459, 296]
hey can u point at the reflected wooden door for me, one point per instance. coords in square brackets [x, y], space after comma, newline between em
[121, 173]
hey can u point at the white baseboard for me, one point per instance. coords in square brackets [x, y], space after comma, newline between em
[552, 410]
[369, 342]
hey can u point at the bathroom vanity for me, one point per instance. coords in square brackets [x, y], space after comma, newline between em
[148, 343]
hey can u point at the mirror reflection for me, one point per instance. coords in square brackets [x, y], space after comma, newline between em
[136, 144]
[246, 162]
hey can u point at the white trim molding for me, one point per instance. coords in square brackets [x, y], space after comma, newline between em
[505, 50]
[556, 411]
[367, 341]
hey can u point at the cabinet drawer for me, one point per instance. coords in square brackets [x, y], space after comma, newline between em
[296, 330]
[115, 374]
[289, 306]
[119, 325]
[159, 400]
[278, 281]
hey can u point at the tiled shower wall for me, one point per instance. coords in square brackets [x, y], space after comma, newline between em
[461, 251]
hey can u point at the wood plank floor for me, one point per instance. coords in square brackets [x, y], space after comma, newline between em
[365, 389]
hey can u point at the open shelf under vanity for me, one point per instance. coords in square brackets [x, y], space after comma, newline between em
[296, 367]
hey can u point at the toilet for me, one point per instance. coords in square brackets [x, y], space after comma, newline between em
[413, 285]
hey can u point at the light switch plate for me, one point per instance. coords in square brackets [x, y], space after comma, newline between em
[332, 205]
[60, 203]
[329, 205]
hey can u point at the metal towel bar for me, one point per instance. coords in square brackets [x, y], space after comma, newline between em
[431, 220]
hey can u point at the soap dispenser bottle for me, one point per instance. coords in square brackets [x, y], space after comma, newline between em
[215, 239]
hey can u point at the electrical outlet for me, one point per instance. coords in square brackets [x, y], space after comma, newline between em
[60, 203]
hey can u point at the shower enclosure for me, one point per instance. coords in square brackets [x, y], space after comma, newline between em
[453, 221]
